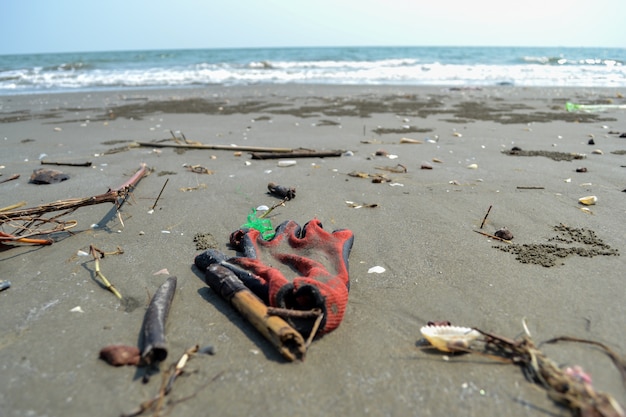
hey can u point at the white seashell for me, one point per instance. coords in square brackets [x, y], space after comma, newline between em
[287, 163]
[597, 152]
[82, 253]
[376, 269]
[409, 140]
[77, 309]
[589, 200]
[473, 166]
[449, 338]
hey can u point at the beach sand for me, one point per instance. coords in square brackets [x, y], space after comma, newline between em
[420, 229]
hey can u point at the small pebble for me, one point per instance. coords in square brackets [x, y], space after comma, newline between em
[504, 233]
[591, 142]
[581, 169]
[597, 152]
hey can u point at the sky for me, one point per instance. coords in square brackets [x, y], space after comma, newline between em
[48, 26]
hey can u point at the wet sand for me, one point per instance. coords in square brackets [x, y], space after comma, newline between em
[563, 271]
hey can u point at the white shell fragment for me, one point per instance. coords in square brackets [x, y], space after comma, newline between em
[77, 309]
[376, 270]
[449, 338]
[589, 200]
[409, 140]
[472, 166]
[287, 163]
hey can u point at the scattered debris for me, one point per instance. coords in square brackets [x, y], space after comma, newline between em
[411, 141]
[281, 191]
[47, 176]
[504, 234]
[299, 153]
[199, 169]
[557, 156]
[569, 386]
[155, 348]
[11, 178]
[376, 178]
[120, 355]
[97, 254]
[588, 200]
[354, 205]
[69, 164]
[398, 169]
[447, 338]
[287, 163]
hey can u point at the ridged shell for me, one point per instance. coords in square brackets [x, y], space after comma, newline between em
[449, 338]
[589, 200]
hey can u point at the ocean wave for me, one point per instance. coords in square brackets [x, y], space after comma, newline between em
[411, 66]
[559, 60]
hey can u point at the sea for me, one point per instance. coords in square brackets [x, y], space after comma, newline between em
[419, 66]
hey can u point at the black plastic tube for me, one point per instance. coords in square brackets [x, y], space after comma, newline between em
[155, 348]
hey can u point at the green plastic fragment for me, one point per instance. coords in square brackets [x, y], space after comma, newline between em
[592, 107]
[262, 225]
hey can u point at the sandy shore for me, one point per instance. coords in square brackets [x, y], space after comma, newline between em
[421, 230]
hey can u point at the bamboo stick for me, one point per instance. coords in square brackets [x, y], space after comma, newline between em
[215, 147]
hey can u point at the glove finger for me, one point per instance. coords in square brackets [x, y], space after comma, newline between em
[207, 258]
[345, 239]
[255, 275]
[306, 267]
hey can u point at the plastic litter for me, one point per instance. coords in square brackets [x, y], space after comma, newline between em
[262, 225]
[593, 107]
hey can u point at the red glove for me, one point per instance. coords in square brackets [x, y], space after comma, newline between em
[299, 269]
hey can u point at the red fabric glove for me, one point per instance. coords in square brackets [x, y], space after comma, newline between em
[299, 268]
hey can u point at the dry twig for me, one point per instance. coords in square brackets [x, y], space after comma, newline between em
[29, 220]
[97, 254]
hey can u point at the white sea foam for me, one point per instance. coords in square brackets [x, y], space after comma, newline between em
[368, 66]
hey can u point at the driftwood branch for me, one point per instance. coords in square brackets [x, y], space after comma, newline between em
[301, 153]
[114, 195]
[215, 147]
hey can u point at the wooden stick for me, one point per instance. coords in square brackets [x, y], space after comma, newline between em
[296, 154]
[11, 178]
[493, 237]
[6, 237]
[70, 164]
[285, 338]
[485, 218]
[215, 147]
[159, 196]
[530, 187]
